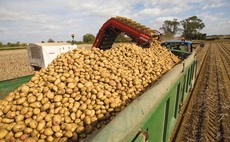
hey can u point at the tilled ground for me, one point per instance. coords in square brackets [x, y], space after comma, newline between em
[208, 115]
[14, 64]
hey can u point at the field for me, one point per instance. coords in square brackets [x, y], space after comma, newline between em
[12, 48]
[13, 64]
[207, 116]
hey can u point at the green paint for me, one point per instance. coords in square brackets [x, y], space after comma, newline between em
[8, 86]
[162, 119]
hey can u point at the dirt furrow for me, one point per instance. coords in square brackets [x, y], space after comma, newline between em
[207, 117]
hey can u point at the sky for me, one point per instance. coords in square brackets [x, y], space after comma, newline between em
[39, 20]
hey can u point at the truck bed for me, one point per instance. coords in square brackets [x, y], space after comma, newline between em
[8, 86]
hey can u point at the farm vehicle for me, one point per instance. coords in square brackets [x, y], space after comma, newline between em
[41, 54]
[153, 114]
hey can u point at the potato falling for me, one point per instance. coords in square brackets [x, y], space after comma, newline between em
[81, 91]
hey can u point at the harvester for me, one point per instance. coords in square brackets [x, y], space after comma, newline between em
[111, 29]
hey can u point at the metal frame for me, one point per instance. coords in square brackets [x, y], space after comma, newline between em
[139, 36]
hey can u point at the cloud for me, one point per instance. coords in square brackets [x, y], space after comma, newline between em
[215, 23]
[3, 29]
[100, 8]
[51, 27]
[213, 4]
[39, 20]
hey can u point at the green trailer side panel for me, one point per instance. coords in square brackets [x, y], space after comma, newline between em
[166, 112]
[8, 86]
[155, 130]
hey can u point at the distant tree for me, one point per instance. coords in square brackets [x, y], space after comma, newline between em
[191, 27]
[170, 27]
[42, 41]
[17, 43]
[9, 44]
[23, 44]
[1, 44]
[88, 38]
[50, 40]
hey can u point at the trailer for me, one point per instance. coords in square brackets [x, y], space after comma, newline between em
[41, 54]
[152, 116]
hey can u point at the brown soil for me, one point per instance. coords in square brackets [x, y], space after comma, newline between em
[13, 64]
[207, 117]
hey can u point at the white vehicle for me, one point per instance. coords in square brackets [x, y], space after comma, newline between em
[41, 54]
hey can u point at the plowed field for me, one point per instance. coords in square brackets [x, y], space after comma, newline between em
[14, 64]
[208, 115]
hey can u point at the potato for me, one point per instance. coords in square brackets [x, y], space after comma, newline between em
[33, 124]
[43, 137]
[36, 111]
[71, 85]
[10, 114]
[28, 114]
[57, 119]
[50, 95]
[7, 120]
[30, 139]
[35, 133]
[73, 116]
[50, 139]
[56, 128]
[44, 100]
[57, 98]
[24, 137]
[41, 125]
[87, 120]
[67, 119]
[45, 106]
[58, 134]
[36, 105]
[24, 110]
[68, 127]
[49, 124]
[48, 132]
[10, 97]
[6, 109]
[3, 133]
[28, 130]
[41, 116]
[19, 127]
[83, 107]
[27, 121]
[21, 100]
[18, 134]
[32, 99]
[19, 118]
[39, 97]
[9, 127]
[80, 129]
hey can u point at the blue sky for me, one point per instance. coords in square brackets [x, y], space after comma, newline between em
[37, 20]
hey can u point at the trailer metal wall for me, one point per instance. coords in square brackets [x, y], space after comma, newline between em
[8, 86]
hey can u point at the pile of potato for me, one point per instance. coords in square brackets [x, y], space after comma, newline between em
[80, 91]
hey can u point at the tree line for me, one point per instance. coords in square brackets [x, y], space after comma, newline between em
[189, 28]
[11, 44]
